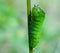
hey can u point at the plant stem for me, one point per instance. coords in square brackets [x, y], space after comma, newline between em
[30, 50]
[29, 19]
[28, 6]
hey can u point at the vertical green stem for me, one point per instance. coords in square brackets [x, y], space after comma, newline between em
[31, 50]
[29, 18]
[28, 6]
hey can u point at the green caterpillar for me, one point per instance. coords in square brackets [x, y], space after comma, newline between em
[35, 21]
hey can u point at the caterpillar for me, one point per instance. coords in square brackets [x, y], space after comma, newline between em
[35, 21]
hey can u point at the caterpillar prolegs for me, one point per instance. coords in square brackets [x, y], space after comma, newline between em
[35, 21]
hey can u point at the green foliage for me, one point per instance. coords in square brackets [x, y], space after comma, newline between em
[35, 24]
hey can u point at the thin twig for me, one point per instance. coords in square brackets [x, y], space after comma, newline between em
[29, 18]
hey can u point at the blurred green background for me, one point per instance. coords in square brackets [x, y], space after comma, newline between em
[14, 28]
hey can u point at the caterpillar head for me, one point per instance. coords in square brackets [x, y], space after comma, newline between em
[37, 11]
